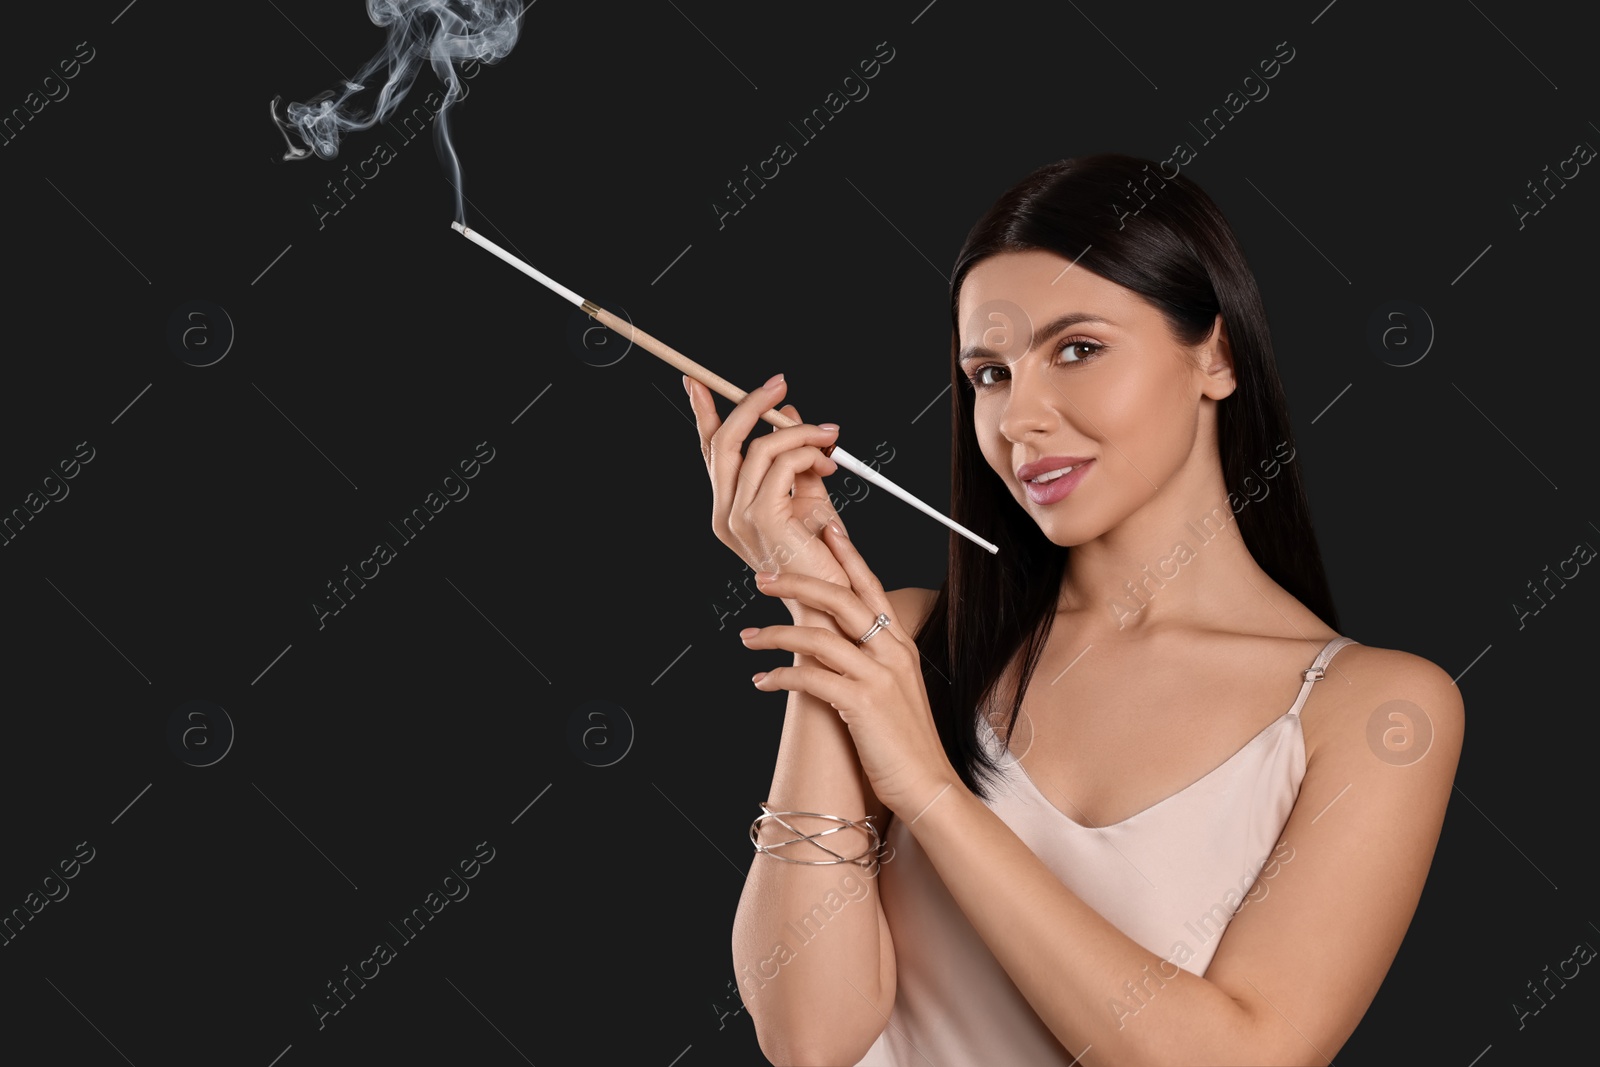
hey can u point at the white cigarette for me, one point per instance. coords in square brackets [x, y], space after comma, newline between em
[537, 275]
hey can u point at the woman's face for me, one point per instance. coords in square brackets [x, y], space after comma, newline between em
[1068, 364]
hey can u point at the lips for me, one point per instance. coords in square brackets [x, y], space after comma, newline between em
[1057, 488]
[1044, 466]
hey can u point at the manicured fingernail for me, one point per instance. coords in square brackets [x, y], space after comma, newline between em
[686, 383]
[748, 632]
[774, 380]
[756, 678]
[767, 576]
[837, 527]
[828, 426]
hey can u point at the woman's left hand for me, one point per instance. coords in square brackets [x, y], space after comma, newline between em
[876, 687]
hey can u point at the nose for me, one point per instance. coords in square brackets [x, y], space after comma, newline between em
[1032, 404]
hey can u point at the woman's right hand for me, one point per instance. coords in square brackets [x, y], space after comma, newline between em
[769, 505]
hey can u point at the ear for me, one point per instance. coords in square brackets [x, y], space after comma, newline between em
[1215, 362]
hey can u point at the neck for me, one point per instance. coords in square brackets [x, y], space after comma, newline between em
[1178, 561]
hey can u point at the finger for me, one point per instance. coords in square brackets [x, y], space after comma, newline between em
[820, 682]
[780, 437]
[862, 580]
[721, 469]
[764, 450]
[730, 436]
[734, 480]
[805, 483]
[808, 484]
[854, 615]
[722, 441]
[706, 420]
[834, 652]
[772, 477]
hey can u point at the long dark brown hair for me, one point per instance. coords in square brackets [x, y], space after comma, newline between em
[1179, 253]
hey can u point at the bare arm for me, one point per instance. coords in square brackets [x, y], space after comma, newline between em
[799, 928]
[811, 947]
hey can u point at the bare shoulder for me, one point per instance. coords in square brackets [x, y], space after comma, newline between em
[911, 605]
[1364, 828]
[1395, 705]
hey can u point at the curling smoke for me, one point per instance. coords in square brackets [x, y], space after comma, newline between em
[442, 32]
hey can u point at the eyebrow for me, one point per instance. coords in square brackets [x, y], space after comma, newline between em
[1050, 329]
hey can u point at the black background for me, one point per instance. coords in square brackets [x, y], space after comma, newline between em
[377, 349]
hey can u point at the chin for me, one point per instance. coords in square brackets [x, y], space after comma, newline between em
[1065, 538]
[1059, 530]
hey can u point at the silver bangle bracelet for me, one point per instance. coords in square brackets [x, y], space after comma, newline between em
[864, 823]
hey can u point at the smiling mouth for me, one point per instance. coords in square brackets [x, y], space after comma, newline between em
[1052, 475]
[1051, 487]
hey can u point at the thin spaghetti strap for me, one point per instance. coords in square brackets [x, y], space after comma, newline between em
[1317, 669]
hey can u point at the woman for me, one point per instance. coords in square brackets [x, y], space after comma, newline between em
[1147, 641]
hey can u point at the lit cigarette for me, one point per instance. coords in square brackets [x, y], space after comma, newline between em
[712, 381]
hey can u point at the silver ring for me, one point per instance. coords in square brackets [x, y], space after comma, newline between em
[880, 623]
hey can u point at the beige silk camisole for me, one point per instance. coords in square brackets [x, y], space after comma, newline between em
[1171, 877]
